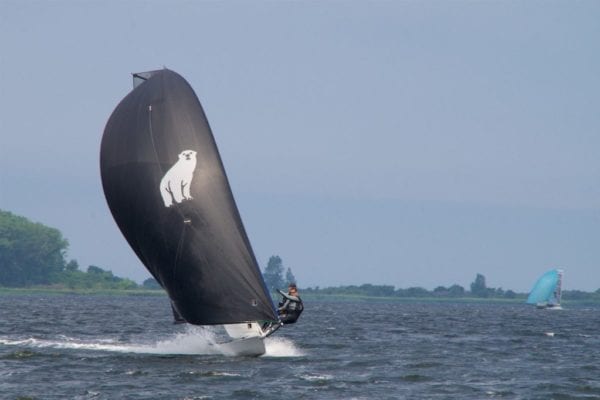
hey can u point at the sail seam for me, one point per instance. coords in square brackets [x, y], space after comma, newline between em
[179, 249]
[152, 139]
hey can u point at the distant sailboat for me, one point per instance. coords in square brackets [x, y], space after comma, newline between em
[547, 291]
[166, 187]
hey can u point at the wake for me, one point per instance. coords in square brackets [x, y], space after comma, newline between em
[195, 341]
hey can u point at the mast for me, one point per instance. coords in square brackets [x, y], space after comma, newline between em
[558, 288]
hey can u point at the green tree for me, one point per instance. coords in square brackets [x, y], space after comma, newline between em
[412, 292]
[478, 287]
[376, 290]
[99, 278]
[151, 283]
[30, 253]
[289, 276]
[440, 291]
[72, 266]
[456, 291]
[273, 274]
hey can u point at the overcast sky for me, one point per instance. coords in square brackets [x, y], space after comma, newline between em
[406, 143]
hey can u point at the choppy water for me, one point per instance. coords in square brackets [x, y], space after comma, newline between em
[104, 347]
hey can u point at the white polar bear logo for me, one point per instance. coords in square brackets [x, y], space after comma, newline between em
[175, 185]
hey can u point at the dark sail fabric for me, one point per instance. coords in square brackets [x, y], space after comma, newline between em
[166, 187]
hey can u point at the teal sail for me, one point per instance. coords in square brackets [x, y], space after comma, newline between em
[547, 290]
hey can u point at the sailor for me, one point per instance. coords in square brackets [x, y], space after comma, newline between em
[291, 305]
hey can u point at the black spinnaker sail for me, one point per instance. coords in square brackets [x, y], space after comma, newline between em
[166, 187]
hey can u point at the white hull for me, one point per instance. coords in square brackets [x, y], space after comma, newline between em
[549, 306]
[247, 347]
[247, 339]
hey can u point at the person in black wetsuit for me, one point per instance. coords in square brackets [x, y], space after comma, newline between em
[291, 305]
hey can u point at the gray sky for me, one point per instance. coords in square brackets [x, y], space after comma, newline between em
[406, 143]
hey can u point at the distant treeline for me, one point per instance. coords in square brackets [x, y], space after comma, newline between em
[454, 291]
[32, 254]
[478, 288]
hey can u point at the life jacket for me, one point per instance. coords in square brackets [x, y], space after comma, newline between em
[293, 311]
[299, 305]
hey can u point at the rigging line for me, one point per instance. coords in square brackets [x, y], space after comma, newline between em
[180, 246]
[152, 139]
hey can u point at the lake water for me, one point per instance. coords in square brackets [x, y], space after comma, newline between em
[112, 347]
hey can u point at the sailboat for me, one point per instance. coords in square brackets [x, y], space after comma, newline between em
[547, 291]
[166, 187]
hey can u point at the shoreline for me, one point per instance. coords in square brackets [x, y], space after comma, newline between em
[57, 291]
[80, 291]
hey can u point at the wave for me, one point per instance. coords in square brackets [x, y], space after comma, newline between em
[199, 342]
[194, 341]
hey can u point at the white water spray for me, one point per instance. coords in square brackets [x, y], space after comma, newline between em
[281, 347]
[194, 341]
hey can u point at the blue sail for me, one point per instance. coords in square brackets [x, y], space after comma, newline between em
[547, 289]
